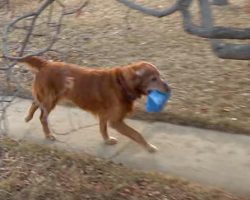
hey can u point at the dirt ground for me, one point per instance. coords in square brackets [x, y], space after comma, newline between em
[207, 91]
[35, 172]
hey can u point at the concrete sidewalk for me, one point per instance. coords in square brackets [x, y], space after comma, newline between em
[208, 157]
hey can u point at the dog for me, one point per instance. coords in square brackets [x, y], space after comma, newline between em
[108, 93]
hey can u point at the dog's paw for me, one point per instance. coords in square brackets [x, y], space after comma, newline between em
[50, 137]
[151, 148]
[111, 141]
[27, 119]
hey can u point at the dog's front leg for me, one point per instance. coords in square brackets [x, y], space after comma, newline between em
[103, 129]
[124, 129]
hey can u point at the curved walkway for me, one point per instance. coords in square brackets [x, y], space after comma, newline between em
[208, 157]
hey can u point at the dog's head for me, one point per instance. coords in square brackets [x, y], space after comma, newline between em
[143, 77]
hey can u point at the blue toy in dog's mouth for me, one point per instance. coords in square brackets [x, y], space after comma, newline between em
[156, 100]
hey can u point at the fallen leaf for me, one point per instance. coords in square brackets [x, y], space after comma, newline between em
[226, 109]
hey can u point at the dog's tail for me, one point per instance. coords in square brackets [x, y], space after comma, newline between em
[36, 63]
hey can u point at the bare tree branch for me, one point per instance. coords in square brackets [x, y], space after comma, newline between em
[7, 29]
[231, 51]
[150, 11]
[216, 32]
[220, 2]
[34, 16]
[222, 50]
[206, 30]
[220, 32]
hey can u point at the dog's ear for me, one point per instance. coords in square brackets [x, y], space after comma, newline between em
[140, 72]
[138, 76]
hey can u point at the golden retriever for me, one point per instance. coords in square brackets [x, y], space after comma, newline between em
[108, 93]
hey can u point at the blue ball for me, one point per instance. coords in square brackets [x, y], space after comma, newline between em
[156, 101]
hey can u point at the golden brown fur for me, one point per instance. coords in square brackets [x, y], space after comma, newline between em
[107, 93]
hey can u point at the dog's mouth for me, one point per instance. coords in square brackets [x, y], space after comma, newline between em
[154, 89]
[165, 91]
[148, 92]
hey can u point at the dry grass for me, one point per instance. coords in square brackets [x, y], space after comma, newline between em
[207, 91]
[30, 171]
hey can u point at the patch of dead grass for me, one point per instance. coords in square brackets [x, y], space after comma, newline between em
[31, 171]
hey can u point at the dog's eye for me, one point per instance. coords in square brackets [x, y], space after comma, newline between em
[154, 79]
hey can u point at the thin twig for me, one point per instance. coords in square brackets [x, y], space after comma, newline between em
[79, 8]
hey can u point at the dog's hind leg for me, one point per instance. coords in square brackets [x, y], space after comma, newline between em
[34, 106]
[104, 131]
